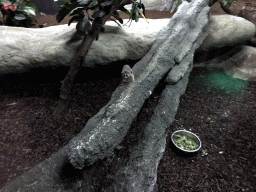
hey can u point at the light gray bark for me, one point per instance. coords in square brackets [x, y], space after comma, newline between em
[107, 129]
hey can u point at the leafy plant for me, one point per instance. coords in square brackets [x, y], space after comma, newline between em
[138, 9]
[18, 12]
[88, 24]
[228, 3]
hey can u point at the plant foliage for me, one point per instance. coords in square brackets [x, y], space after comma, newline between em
[228, 3]
[84, 26]
[87, 24]
[18, 12]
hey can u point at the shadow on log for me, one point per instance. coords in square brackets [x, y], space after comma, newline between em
[75, 167]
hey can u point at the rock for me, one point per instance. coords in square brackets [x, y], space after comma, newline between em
[25, 48]
[249, 13]
[252, 42]
[227, 30]
[242, 65]
[238, 61]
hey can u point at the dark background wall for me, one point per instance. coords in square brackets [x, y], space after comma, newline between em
[49, 7]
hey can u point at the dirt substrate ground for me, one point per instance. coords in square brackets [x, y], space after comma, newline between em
[219, 109]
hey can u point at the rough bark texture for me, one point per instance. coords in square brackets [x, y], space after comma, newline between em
[74, 167]
[107, 129]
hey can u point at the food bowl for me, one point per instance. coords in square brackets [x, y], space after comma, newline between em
[186, 141]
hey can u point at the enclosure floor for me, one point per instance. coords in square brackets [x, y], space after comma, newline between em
[219, 109]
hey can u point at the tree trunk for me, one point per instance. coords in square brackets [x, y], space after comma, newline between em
[81, 165]
[77, 62]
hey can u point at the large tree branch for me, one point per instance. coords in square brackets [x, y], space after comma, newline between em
[113, 120]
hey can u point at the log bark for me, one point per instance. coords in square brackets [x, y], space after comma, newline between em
[76, 166]
[107, 129]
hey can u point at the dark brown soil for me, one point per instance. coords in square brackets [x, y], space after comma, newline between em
[220, 109]
[222, 112]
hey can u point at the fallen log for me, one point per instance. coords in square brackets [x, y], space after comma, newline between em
[107, 129]
[140, 172]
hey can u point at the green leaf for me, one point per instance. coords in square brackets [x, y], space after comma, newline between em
[83, 2]
[116, 15]
[76, 11]
[84, 26]
[65, 10]
[19, 17]
[97, 9]
[97, 24]
[93, 3]
[121, 21]
[228, 3]
[125, 10]
[64, 1]
[75, 18]
[106, 3]
[143, 8]
[134, 11]
[137, 14]
[99, 13]
[30, 10]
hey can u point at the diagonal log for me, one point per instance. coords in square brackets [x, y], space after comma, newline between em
[140, 173]
[171, 57]
[108, 128]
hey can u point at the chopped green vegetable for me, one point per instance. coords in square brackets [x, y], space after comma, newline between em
[185, 142]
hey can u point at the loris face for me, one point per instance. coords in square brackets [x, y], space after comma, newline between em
[127, 74]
